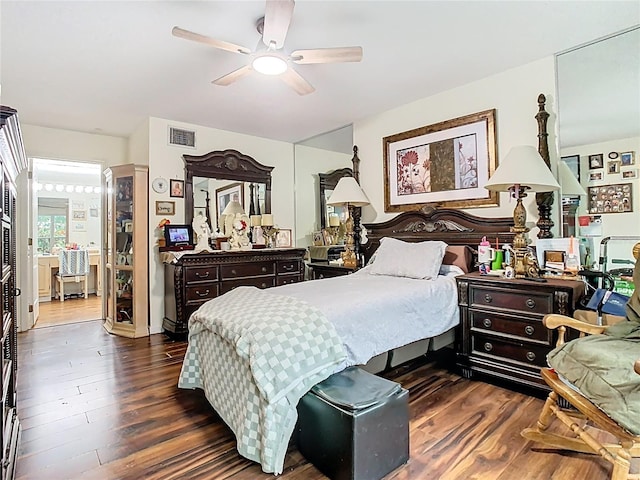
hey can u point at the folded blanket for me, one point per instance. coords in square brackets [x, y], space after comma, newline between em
[283, 344]
[601, 368]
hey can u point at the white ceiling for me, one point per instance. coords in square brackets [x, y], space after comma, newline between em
[103, 67]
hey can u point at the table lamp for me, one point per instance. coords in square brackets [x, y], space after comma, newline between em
[228, 215]
[522, 170]
[349, 193]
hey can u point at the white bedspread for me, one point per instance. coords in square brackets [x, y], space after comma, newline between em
[376, 313]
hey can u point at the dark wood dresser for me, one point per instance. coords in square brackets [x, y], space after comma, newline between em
[195, 278]
[325, 270]
[501, 332]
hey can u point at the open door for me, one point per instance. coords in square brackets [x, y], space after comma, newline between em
[26, 247]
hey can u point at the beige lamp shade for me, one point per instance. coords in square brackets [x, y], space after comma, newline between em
[232, 208]
[522, 166]
[348, 191]
[568, 181]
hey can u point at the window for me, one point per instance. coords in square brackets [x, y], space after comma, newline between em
[52, 232]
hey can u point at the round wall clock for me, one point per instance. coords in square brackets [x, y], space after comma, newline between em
[160, 185]
[613, 155]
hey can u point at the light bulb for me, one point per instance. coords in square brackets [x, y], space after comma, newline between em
[59, 188]
[69, 188]
[269, 65]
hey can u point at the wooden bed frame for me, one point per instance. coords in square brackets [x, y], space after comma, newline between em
[454, 227]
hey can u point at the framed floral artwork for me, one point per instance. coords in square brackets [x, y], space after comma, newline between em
[445, 164]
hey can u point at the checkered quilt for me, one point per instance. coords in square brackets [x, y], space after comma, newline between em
[256, 354]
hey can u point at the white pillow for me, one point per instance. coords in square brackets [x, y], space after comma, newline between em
[405, 259]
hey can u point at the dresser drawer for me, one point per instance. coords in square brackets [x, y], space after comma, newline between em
[289, 266]
[247, 270]
[535, 302]
[523, 353]
[201, 274]
[201, 293]
[264, 282]
[287, 279]
[522, 328]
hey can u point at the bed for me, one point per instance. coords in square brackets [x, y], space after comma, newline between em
[255, 353]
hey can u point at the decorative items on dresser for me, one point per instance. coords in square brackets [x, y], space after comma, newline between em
[127, 238]
[501, 332]
[192, 279]
[12, 161]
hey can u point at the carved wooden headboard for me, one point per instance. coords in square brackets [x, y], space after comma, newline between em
[455, 227]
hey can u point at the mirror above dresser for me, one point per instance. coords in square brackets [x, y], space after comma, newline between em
[215, 178]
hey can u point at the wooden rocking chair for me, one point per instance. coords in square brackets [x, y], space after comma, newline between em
[585, 411]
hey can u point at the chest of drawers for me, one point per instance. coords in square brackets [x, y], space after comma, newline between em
[501, 332]
[195, 278]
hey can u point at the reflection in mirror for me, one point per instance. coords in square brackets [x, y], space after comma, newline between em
[321, 154]
[599, 119]
[216, 178]
[211, 196]
[328, 182]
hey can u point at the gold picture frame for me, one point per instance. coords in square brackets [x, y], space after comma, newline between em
[164, 207]
[445, 164]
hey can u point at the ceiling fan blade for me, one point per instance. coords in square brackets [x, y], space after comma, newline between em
[196, 37]
[229, 78]
[277, 18]
[327, 55]
[295, 81]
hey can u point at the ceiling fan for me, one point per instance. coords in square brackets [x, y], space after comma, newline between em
[270, 58]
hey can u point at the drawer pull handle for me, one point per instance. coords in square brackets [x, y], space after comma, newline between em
[531, 356]
[487, 323]
[199, 275]
[288, 268]
[530, 303]
[529, 330]
[233, 271]
[488, 298]
[263, 285]
[264, 269]
[203, 294]
[488, 347]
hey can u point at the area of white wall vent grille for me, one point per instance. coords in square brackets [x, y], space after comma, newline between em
[183, 138]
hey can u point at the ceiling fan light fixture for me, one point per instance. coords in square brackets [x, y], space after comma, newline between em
[269, 65]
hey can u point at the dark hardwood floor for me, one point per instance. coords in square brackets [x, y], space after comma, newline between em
[95, 406]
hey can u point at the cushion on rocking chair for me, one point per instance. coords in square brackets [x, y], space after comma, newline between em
[600, 367]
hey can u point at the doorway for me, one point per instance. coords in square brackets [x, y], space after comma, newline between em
[68, 216]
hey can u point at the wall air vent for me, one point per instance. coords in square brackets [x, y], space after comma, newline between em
[183, 138]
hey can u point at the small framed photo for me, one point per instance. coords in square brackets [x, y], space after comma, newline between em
[613, 166]
[326, 235]
[165, 208]
[627, 158]
[93, 212]
[318, 239]
[127, 226]
[595, 176]
[79, 215]
[283, 238]
[176, 188]
[596, 161]
[630, 173]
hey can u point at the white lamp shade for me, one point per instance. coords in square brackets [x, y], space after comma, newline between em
[232, 208]
[348, 191]
[568, 181]
[523, 166]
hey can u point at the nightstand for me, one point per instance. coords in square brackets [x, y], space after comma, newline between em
[501, 332]
[325, 270]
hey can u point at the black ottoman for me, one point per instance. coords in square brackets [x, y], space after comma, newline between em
[354, 426]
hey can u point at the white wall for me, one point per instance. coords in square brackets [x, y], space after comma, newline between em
[613, 224]
[512, 93]
[166, 161]
[55, 143]
[310, 162]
